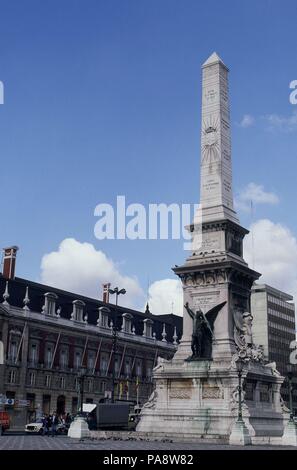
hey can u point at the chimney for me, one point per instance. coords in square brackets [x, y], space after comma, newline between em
[106, 292]
[9, 258]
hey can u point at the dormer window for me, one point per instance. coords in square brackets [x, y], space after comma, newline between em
[127, 323]
[103, 317]
[78, 310]
[147, 328]
[49, 307]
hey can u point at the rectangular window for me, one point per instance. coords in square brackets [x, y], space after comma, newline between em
[90, 385]
[63, 359]
[76, 384]
[33, 354]
[32, 378]
[149, 370]
[12, 351]
[105, 321]
[49, 356]
[116, 365]
[77, 360]
[91, 360]
[48, 381]
[139, 369]
[12, 376]
[103, 363]
[102, 387]
[62, 382]
[127, 367]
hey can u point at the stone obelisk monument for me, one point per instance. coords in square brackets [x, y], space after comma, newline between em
[196, 392]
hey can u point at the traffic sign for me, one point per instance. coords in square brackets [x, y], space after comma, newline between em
[22, 402]
[9, 401]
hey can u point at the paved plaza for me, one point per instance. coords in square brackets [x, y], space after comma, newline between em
[35, 442]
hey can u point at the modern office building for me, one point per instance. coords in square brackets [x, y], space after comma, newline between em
[50, 336]
[274, 327]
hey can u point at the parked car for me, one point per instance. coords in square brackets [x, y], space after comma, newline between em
[37, 427]
[4, 421]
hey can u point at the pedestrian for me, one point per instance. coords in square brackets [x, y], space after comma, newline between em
[55, 422]
[49, 424]
[45, 425]
[68, 419]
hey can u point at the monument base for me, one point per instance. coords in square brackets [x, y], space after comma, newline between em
[290, 434]
[201, 398]
[240, 435]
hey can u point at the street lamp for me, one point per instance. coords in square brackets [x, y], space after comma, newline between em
[117, 292]
[240, 434]
[79, 428]
[290, 377]
[114, 348]
[81, 382]
[239, 366]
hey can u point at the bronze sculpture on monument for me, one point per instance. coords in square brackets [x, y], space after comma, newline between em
[202, 335]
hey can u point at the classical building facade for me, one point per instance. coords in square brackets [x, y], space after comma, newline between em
[274, 328]
[49, 336]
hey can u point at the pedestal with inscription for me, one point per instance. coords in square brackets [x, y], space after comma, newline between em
[199, 397]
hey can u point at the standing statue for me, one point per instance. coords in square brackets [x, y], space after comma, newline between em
[202, 334]
[242, 328]
[243, 337]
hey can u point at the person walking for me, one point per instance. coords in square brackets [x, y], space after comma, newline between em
[55, 422]
[49, 424]
[45, 425]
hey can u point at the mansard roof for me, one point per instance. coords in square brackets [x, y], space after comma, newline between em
[17, 289]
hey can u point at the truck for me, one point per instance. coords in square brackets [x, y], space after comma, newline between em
[112, 415]
[4, 421]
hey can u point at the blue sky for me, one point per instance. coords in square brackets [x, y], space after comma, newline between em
[103, 98]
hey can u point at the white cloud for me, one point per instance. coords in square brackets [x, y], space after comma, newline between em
[246, 121]
[166, 296]
[255, 193]
[80, 268]
[271, 249]
[282, 123]
[273, 121]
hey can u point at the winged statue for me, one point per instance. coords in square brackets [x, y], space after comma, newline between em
[203, 327]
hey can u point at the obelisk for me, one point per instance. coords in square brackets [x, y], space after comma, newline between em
[216, 167]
